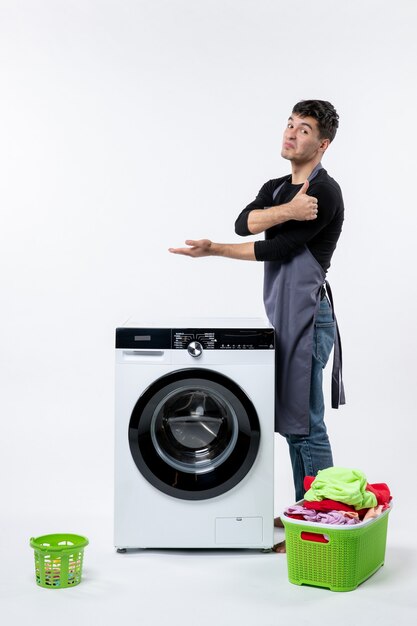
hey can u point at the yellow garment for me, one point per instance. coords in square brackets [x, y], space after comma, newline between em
[343, 485]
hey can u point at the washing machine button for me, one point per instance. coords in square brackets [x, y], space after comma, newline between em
[195, 349]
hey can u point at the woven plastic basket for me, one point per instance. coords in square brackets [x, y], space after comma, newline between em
[336, 557]
[58, 560]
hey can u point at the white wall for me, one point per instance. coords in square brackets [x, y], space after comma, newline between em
[127, 127]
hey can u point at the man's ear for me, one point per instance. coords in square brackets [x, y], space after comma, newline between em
[325, 143]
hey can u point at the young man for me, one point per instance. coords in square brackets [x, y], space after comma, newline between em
[301, 215]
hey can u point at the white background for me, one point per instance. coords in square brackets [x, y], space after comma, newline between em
[127, 127]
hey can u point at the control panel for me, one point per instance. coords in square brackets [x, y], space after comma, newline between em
[224, 339]
[198, 339]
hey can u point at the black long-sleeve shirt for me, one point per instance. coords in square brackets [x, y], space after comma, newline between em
[285, 240]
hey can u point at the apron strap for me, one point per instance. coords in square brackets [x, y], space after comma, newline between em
[338, 389]
[310, 178]
[277, 190]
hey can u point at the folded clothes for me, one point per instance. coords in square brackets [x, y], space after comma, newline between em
[328, 505]
[374, 512]
[342, 485]
[380, 490]
[332, 517]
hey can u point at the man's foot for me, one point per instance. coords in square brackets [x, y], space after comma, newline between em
[278, 523]
[279, 547]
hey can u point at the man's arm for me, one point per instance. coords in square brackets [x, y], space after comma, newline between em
[301, 208]
[282, 246]
[295, 235]
[205, 247]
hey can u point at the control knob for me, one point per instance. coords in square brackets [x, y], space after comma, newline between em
[195, 349]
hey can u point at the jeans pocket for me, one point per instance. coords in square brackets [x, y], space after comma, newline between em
[324, 335]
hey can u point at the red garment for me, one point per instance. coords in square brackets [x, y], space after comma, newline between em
[381, 491]
[314, 537]
[328, 505]
[307, 482]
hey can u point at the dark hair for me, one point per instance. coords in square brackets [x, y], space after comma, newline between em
[322, 111]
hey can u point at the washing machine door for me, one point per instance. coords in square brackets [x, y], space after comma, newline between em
[194, 434]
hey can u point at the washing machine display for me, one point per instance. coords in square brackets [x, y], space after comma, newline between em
[194, 434]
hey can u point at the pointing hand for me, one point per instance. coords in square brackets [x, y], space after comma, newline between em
[197, 248]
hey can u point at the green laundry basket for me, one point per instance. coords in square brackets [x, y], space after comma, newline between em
[336, 557]
[58, 560]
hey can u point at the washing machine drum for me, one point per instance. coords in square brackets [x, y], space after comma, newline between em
[194, 434]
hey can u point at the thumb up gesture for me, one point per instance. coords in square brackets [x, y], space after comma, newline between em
[303, 207]
[304, 189]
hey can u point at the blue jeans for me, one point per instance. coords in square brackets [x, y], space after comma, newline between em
[311, 453]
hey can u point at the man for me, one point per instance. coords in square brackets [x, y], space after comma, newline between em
[302, 216]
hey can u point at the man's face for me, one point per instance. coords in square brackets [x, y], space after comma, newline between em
[301, 141]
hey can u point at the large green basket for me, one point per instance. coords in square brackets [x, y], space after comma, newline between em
[58, 560]
[338, 558]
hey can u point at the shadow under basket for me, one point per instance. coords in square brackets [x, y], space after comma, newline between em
[58, 560]
[336, 557]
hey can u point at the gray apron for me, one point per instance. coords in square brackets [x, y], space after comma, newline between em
[292, 291]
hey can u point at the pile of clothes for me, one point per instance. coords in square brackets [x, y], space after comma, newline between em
[338, 495]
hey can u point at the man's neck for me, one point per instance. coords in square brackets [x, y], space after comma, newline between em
[301, 171]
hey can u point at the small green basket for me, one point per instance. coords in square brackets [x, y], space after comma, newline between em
[336, 557]
[58, 560]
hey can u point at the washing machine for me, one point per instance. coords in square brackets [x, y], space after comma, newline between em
[194, 434]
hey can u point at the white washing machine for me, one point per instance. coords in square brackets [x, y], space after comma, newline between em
[194, 434]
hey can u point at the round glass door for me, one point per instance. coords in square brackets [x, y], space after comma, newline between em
[194, 434]
[194, 429]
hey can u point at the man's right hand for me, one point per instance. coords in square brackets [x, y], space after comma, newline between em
[303, 207]
[196, 248]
